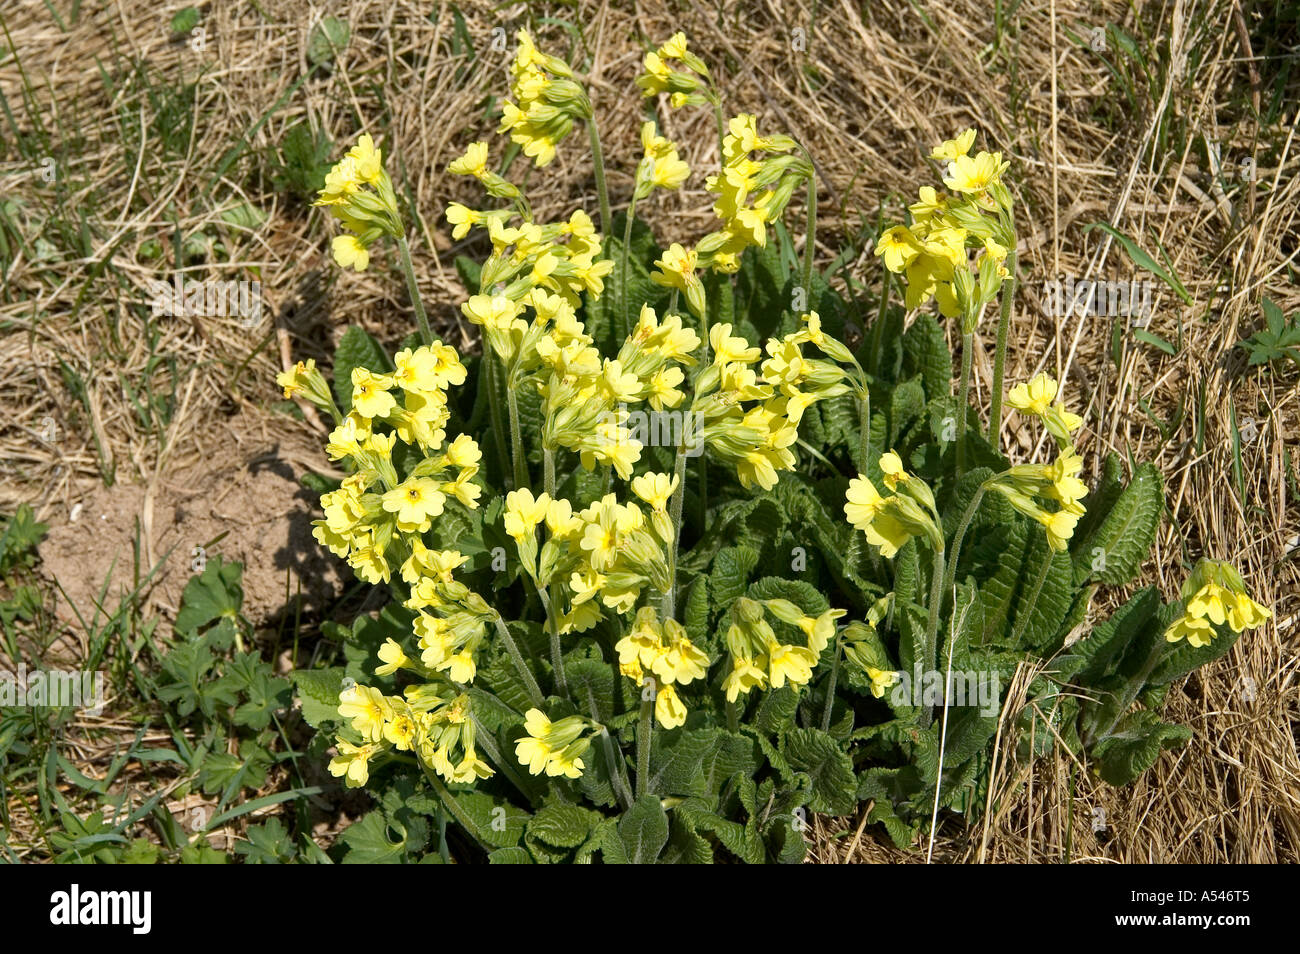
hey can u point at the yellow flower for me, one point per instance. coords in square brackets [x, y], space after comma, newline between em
[728, 347]
[975, 176]
[350, 252]
[881, 680]
[953, 148]
[472, 163]
[463, 452]
[674, 47]
[866, 511]
[1197, 630]
[794, 663]
[524, 513]
[743, 677]
[553, 747]
[393, 658]
[899, 248]
[532, 750]
[655, 489]
[461, 667]
[367, 709]
[1035, 397]
[676, 269]
[669, 710]
[1059, 526]
[401, 730]
[353, 761]
[370, 397]
[820, 629]
[415, 501]
[369, 161]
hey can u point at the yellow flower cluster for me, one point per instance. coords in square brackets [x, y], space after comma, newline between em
[547, 101]
[688, 86]
[890, 520]
[1029, 486]
[1215, 595]
[661, 650]
[933, 251]
[585, 397]
[373, 503]
[752, 193]
[359, 194]
[430, 720]
[606, 553]
[660, 167]
[864, 648]
[376, 520]
[759, 659]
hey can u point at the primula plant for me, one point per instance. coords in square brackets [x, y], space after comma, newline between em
[671, 565]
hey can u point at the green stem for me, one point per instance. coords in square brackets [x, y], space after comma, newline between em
[1000, 356]
[1032, 604]
[644, 728]
[810, 238]
[617, 771]
[951, 576]
[484, 740]
[557, 653]
[494, 407]
[722, 125]
[932, 627]
[623, 320]
[413, 290]
[526, 674]
[548, 471]
[598, 165]
[864, 430]
[668, 608]
[877, 327]
[963, 398]
[450, 802]
[516, 439]
[830, 688]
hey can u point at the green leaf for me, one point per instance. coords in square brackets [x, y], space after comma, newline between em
[830, 768]
[562, 825]
[319, 691]
[1142, 260]
[1279, 338]
[925, 352]
[368, 841]
[700, 761]
[906, 405]
[326, 40]
[184, 20]
[510, 856]
[215, 593]
[500, 823]
[731, 570]
[697, 611]
[643, 830]
[1134, 746]
[1115, 551]
[591, 683]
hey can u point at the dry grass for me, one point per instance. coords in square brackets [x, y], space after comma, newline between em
[872, 88]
